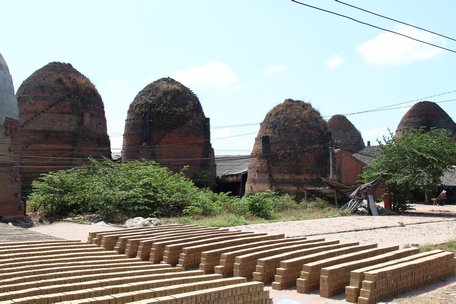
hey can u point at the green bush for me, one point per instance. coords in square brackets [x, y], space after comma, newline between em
[260, 204]
[117, 191]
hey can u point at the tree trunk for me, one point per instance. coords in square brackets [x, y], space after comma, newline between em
[427, 198]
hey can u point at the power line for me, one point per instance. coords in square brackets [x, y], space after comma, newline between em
[392, 19]
[402, 103]
[373, 26]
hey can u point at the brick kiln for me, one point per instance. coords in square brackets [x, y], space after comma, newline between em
[10, 186]
[166, 123]
[426, 114]
[291, 151]
[62, 121]
[344, 134]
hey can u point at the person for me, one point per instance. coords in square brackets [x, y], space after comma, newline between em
[442, 198]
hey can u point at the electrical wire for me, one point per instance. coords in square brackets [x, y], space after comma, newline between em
[373, 26]
[392, 19]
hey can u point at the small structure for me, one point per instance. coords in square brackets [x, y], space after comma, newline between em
[166, 123]
[62, 121]
[348, 165]
[291, 151]
[11, 206]
[232, 173]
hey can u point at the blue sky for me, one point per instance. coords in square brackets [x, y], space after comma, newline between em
[241, 57]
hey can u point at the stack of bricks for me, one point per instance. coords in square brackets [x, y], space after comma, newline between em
[245, 265]
[228, 258]
[145, 246]
[310, 274]
[333, 279]
[191, 255]
[266, 267]
[242, 293]
[172, 251]
[211, 258]
[132, 240]
[72, 272]
[132, 244]
[308, 264]
[390, 281]
[357, 275]
[290, 269]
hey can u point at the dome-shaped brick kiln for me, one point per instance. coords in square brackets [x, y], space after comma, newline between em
[166, 123]
[291, 151]
[344, 134]
[62, 121]
[426, 114]
[10, 199]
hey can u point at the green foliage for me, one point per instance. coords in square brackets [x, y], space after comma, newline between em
[204, 179]
[169, 105]
[117, 191]
[260, 204]
[413, 162]
[449, 246]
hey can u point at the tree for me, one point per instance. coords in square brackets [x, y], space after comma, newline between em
[414, 161]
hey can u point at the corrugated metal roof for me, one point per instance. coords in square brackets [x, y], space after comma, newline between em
[231, 164]
[367, 154]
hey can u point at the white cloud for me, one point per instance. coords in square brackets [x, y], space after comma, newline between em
[334, 61]
[392, 49]
[275, 69]
[211, 74]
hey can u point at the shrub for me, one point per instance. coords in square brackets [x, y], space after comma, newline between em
[117, 191]
[260, 204]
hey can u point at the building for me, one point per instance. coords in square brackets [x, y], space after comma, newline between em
[232, 173]
[11, 206]
[291, 150]
[166, 123]
[62, 121]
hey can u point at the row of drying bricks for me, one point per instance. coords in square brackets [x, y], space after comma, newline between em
[44, 272]
[329, 266]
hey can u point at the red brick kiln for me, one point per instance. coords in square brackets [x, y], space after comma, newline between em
[11, 206]
[426, 114]
[62, 121]
[166, 123]
[291, 151]
[344, 134]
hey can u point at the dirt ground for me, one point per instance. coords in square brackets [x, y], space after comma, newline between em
[426, 225]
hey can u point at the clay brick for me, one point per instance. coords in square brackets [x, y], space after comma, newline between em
[389, 281]
[191, 255]
[245, 264]
[334, 278]
[172, 250]
[108, 241]
[121, 243]
[357, 275]
[290, 269]
[211, 258]
[266, 267]
[145, 246]
[131, 245]
[227, 259]
[310, 275]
